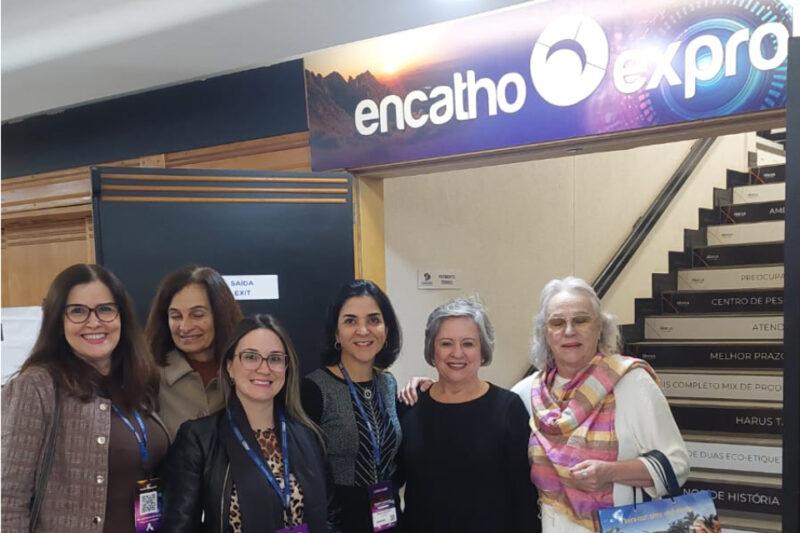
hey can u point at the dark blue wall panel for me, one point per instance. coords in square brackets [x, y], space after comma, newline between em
[256, 103]
[309, 246]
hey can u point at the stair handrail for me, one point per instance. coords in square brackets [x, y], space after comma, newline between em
[645, 223]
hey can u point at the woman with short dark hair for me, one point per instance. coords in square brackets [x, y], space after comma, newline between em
[257, 465]
[352, 399]
[191, 319]
[79, 427]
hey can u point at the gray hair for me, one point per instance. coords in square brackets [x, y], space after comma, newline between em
[460, 307]
[609, 342]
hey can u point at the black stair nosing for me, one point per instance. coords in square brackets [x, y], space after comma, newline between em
[731, 267]
[660, 282]
[642, 308]
[641, 305]
[706, 418]
[725, 343]
[723, 213]
[694, 238]
[756, 175]
[736, 255]
[715, 315]
[702, 301]
[708, 216]
[722, 197]
[729, 225]
[764, 171]
[679, 259]
[631, 333]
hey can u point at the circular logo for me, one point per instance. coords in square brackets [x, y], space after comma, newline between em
[569, 60]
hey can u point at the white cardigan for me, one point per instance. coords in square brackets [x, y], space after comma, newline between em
[643, 422]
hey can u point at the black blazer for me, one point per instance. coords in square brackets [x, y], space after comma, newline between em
[197, 478]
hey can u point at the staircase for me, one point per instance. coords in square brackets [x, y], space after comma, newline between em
[714, 332]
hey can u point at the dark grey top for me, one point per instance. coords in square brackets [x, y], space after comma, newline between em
[327, 400]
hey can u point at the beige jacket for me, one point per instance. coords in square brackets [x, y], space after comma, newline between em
[181, 395]
[75, 496]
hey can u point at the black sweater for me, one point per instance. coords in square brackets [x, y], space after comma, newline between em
[466, 466]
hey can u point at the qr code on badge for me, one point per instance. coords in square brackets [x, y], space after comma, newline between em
[148, 502]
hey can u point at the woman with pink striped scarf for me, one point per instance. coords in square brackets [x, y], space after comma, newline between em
[594, 412]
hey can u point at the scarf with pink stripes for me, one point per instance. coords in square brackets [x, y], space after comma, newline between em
[576, 424]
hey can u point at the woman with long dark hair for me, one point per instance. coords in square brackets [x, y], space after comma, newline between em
[191, 320]
[257, 465]
[79, 430]
[352, 399]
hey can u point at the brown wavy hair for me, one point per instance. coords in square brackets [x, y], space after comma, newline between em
[289, 396]
[132, 382]
[224, 309]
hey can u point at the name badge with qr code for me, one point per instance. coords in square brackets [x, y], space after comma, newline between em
[384, 513]
[147, 506]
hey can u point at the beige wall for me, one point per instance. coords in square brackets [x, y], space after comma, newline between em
[509, 229]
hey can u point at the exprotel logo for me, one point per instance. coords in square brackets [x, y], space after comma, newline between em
[569, 61]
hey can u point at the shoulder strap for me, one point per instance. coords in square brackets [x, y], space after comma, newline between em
[43, 473]
[665, 471]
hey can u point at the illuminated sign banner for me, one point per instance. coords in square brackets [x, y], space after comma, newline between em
[544, 71]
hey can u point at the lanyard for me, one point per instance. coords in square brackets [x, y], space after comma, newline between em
[373, 435]
[141, 438]
[285, 492]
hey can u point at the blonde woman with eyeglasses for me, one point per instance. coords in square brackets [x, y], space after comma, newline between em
[257, 465]
[594, 413]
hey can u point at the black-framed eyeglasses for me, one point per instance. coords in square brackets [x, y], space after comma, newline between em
[79, 313]
[276, 361]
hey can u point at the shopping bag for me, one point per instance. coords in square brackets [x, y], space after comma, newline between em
[676, 513]
[691, 513]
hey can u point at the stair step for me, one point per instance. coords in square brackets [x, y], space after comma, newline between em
[735, 418]
[735, 255]
[748, 301]
[746, 213]
[747, 233]
[715, 385]
[737, 457]
[738, 492]
[754, 277]
[707, 354]
[737, 522]
[757, 175]
[727, 327]
[749, 194]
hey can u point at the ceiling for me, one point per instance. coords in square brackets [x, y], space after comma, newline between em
[60, 53]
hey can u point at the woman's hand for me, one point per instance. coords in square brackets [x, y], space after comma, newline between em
[593, 475]
[408, 394]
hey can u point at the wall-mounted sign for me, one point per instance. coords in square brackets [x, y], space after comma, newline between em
[437, 279]
[544, 71]
[260, 287]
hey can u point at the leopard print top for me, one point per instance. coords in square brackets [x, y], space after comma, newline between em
[270, 448]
